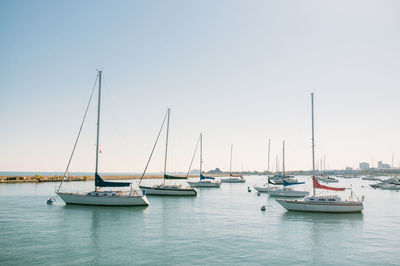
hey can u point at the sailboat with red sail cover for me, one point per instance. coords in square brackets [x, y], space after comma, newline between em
[233, 178]
[315, 203]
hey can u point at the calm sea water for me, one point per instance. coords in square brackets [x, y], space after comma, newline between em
[222, 226]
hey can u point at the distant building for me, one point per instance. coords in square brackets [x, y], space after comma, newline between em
[364, 166]
[383, 165]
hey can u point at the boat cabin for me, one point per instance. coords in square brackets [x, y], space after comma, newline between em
[104, 193]
[323, 199]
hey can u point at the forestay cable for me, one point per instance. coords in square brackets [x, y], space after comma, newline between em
[79, 133]
[155, 144]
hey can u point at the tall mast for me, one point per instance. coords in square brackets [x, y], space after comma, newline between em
[283, 161]
[269, 150]
[166, 146]
[312, 128]
[98, 126]
[201, 153]
[230, 166]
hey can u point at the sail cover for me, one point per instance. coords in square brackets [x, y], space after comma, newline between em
[270, 182]
[236, 175]
[202, 177]
[174, 177]
[285, 183]
[99, 182]
[316, 184]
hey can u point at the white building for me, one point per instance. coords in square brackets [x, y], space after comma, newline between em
[364, 166]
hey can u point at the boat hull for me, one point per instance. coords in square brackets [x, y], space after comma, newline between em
[264, 189]
[85, 199]
[299, 205]
[232, 180]
[204, 184]
[287, 193]
[160, 191]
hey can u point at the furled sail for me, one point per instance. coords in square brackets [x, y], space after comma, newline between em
[202, 177]
[235, 175]
[174, 177]
[316, 184]
[99, 182]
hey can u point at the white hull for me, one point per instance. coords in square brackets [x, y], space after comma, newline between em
[232, 180]
[117, 200]
[326, 180]
[299, 205]
[265, 189]
[204, 184]
[287, 193]
[390, 187]
[168, 191]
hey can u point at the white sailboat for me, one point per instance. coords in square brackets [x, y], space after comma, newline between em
[286, 191]
[205, 181]
[322, 203]
[233, 178]
[168, 189]
[99, 197]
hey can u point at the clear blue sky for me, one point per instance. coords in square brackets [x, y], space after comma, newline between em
[238, 71]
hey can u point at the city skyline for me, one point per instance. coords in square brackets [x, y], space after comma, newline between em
[239, 72]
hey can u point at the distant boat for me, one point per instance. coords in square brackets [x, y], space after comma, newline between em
[286, 191]
[371, 178]
[233, 178]
[327, 179]
[266, 187]
[322, 203]
[205, 181]
[98, 197]
[171, 189]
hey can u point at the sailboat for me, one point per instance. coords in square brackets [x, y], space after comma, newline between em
[232, 178]
[286, 191]
[100, 197]
[205, 181]
[166, 189]
[326, 179]
[322, 203]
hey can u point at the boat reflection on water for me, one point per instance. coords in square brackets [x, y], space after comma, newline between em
[319, 217]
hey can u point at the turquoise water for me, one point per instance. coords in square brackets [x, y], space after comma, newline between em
[220, 227]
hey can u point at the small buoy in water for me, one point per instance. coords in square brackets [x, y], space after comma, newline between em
[51, 200]
[258, 193]
[248, 189]
[263, 208]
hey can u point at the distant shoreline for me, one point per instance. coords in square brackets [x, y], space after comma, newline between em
[45, 179]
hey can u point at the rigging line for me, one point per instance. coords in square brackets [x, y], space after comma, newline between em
[155, 144]
[194, 154]
[79, 133]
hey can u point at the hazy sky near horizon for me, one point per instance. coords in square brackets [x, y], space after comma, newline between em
[240, 72]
